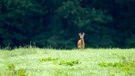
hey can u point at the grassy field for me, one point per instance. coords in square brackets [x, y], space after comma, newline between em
[51, 62]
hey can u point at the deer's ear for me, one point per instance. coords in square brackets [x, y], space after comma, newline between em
[79, 34]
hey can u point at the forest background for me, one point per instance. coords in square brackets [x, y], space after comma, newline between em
[56, 23]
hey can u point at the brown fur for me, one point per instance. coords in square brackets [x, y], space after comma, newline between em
[81, 43]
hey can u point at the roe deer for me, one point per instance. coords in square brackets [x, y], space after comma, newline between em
[81, 43]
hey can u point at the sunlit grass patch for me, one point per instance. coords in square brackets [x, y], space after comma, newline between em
[34, 61]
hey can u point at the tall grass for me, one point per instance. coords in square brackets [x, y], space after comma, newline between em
[34, 61]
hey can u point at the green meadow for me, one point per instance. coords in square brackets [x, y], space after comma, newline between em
[51, 62]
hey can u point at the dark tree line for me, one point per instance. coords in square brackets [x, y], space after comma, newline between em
[56, 23]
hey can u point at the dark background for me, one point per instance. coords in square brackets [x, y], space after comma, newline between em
[56, 23]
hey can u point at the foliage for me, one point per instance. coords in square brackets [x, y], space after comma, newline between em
[13, 72]
[60, 73]
[61, 62]
[34, 61]
[70, 63]
[48, 59]
[125, 64]
[56, 23]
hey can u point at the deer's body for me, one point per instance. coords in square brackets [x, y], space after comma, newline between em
[81, 43]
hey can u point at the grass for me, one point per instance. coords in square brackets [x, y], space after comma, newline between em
[50, 62]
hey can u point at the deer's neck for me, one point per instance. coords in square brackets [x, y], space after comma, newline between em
[82, 42]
